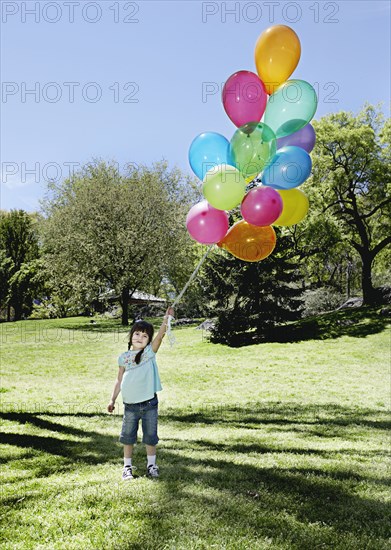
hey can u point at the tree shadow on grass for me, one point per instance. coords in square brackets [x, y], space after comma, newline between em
[356, 323]
[85, 324]
[291, 505]
[91, 447]
[300, 507]
[323, 418]
[327, 420]
[260, 449]
[326, 498]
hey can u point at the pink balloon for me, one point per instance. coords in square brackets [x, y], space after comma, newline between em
[206, 224]
[244, 98]
[262, 206]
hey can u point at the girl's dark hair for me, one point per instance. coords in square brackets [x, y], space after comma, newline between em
[141, 326]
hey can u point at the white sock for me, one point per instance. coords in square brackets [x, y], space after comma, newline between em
[151, 460]
[127, 461]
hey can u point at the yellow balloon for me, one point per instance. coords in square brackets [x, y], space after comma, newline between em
[295, 206]
[277, 53]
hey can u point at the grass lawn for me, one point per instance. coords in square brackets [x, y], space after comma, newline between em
[275, 445]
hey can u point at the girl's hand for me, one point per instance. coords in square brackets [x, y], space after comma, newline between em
[170, 311]
[111, 406]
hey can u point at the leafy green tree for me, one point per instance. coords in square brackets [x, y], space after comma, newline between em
[106, 230]
[381, 269]
[349, 192]
[6, 265]
[252, 298]
[19, 252]
[327, 260]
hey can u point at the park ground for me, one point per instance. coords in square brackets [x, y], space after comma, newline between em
[274, 445]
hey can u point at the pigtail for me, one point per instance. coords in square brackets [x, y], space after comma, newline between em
[138, 357]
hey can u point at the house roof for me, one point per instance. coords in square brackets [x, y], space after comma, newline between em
[137, 296]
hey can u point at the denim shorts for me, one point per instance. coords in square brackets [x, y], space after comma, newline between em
[147, 411]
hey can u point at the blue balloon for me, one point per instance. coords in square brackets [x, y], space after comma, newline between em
[289, 168]
[207, 151]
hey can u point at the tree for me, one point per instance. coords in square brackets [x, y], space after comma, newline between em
[349, 193]
[105, 230]
[18, 261]
[6, 266]
[252, 298]
[327, 260]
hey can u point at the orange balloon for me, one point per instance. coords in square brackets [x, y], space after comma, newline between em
[277, 53]
[249, 242]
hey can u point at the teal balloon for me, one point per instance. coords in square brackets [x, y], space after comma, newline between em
[251, 148]
[291, 107]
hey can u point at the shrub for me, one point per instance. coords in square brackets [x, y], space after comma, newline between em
[321, 300]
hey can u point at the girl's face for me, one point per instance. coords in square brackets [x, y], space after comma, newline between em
[139, 340]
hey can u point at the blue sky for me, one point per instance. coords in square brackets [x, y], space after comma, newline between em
[135, 82]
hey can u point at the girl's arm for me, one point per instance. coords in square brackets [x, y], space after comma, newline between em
[162, 331]
[116, 390]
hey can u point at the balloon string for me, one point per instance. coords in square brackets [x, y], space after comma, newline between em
[170, 336]
[178, 298]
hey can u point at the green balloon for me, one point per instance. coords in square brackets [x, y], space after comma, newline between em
[224, 187]
[251, 148]
[291, 107]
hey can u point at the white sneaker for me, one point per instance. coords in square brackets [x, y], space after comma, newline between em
[127, 473]
[152, 471]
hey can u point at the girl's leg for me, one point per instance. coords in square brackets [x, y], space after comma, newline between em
[127, 473]
[151, 450]
[128, 451]
[151, 460]
[129, 432]
[149, 422]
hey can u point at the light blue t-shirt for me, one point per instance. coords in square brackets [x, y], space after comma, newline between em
[139, 382]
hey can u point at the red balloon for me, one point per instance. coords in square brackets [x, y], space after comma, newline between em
[262, 206]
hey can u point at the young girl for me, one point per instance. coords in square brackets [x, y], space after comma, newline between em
[138, 380]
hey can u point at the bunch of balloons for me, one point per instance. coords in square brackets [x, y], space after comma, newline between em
[271, 145]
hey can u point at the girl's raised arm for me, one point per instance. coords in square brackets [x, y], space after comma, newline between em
[162, 331]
